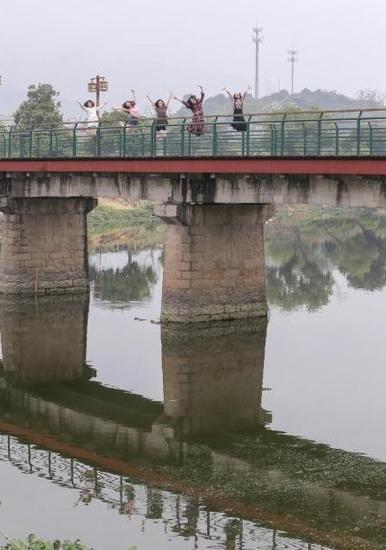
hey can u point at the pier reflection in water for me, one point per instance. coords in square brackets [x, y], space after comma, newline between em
[196, 467]
[60, 426]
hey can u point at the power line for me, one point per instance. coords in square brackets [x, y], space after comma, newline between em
[257, 39]
[293, 57]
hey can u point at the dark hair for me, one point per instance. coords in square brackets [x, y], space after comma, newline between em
[127, 104]
[157, 103]
[189, 102]
[237, 96]
[87, 103]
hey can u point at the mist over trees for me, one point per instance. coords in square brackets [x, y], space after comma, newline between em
[284, 101]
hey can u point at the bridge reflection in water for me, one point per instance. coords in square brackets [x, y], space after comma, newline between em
[51, 409]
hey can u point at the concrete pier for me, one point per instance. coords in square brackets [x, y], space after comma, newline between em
[214, 268]
[44, 245]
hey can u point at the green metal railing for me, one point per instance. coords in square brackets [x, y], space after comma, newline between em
[299, 134]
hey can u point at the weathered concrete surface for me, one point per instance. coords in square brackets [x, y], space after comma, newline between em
[44, 339]
[44, 245]
[324, 190]
[213, 376]
[214, 266]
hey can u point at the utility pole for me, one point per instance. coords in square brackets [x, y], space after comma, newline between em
[293, 56]
[257, 39]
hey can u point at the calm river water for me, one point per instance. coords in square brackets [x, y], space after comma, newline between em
[248, 436]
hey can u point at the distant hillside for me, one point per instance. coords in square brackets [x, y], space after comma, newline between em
[283, 101]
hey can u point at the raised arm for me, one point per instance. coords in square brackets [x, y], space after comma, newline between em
[101, 107]
[202, 95]
[122, 109]
[246, 92]
[151, 101]
[133, 92]
[228, 93]
[169, 99]
[180, 100]
[81, 105]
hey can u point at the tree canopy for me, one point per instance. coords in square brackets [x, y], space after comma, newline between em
[40, 109]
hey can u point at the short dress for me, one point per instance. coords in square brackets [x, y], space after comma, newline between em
[162, 118]
[239, 122]
[92, 117]
[197, 125]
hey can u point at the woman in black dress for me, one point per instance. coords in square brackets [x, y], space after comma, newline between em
[237, 100]
[161, 111]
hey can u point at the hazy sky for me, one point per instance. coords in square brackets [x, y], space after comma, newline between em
[154, 46]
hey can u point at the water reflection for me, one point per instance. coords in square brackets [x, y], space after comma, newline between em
[301, 258]
[212, 384]
[213, 377]
[132, 279]
[207, 439]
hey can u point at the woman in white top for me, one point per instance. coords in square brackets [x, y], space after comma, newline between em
[92, 112]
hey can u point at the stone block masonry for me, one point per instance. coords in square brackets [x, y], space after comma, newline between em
[214, 268]
[44, 246]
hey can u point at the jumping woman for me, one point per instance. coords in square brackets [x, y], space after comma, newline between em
[161, 111]
[195, 104]
[130, 107]
[92, 112]
[237, 100]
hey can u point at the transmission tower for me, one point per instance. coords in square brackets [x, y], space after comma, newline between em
[293, 57]
[257, 39]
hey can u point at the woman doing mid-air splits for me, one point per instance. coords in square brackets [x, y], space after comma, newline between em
[130, 107]
[237, 100]
[195, 104]
[161, 111]
[92, 111]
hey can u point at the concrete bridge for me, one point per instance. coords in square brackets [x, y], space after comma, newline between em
[214, 201]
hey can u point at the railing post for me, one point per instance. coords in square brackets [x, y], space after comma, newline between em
[10, 141]
[30, 136]
[304, 140]
[74, 140]
[183, 126]
[214, 139]
[359, 133]
[98, 140]
[282, 136]
[319, 137]
[271, 127]
[51, 142]
[124, 145]
[153, 140]
[371, 149]
[248, 148]
[336, 139]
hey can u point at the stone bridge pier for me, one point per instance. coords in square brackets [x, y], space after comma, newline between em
[214, 268]
[44, 245]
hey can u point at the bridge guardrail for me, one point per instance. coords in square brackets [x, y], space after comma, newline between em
[299, 134]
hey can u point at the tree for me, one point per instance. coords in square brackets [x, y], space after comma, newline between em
[40, 109]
